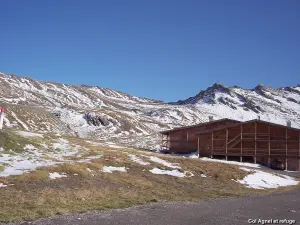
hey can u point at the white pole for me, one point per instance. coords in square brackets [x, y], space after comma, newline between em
[1, 118]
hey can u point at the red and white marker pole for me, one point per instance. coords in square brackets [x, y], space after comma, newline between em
[1, 118]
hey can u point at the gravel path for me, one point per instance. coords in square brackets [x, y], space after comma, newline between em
[227, 211]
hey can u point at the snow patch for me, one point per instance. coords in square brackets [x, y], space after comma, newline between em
[110, 169]
[261, 180]
[61, 144]
[138, 160]
[245, 169]
[115, 146]
[7, 122]
[2, 185]
[19, 121]
[193, 155]
[232, 162]
[174, 173]
[29, 134]
[95, 156]
[29, 147]
[44, 145]
[21, 163]
[56, 175]
[29, 160]
[164, 162]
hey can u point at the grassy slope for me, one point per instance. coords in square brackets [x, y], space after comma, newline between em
[11, 141]
[34, 195]
[35, 118]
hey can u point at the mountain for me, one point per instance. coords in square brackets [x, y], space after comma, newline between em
[271, 104]
[105, 114]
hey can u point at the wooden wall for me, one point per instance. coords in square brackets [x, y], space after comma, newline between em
[262, 141]
[185, 140]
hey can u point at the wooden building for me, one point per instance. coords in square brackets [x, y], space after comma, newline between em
[184, 139]
[252, 141]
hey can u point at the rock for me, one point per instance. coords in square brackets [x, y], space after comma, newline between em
[292, 100]
[57, 114]
[252, 106]
[96, 120]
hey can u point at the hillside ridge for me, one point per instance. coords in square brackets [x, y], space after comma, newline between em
[105, 114]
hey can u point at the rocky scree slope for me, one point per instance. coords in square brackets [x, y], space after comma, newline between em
[105, 114]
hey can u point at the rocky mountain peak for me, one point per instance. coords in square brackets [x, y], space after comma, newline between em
[208, 95]
[259, 88]
[217, 87]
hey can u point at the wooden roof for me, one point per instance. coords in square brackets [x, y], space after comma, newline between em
[247, 122]
[198, 125]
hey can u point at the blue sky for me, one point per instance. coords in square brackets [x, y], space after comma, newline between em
[162, 49]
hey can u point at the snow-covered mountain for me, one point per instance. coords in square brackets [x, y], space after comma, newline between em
[101, 113]
[271, 104]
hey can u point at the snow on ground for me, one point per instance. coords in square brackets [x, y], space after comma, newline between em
[44, 145]
[110, 169]
[260, 180]
[18, 164]
[95, 156]
[115, 146]
[2, 185]
[29, 147]
[232, 162]
[112, 145]
[193, 155]
[19, 121]
[105, 144]
[56, 175]
[138, 160]
[174, 173]
[29, 134]
[76, 121]
[95, 143]
[29, 160]
[6, 122]
[163, 162]
[61, 144]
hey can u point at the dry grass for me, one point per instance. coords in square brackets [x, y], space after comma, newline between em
[9, 140]
[34, 195]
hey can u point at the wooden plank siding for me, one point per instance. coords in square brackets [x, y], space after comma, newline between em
[262, 142]
[184, 140]
[256, 141]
